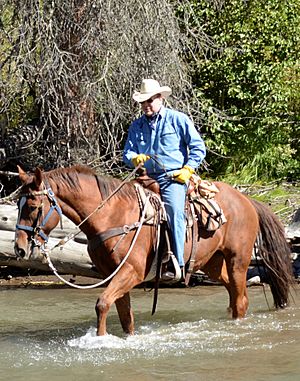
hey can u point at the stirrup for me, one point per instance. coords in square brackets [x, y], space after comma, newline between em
[177, 268]
[175, 276]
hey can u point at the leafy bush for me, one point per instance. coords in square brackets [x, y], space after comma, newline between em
[250, 79]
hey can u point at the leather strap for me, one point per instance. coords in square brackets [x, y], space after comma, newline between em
[194, 246]
[100, 238]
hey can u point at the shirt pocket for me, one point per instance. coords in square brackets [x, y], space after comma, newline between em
[169, 138]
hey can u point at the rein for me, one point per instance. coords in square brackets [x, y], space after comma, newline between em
[139, 227]
[54, 206]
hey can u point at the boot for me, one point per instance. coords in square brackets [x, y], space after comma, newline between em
[169, 276]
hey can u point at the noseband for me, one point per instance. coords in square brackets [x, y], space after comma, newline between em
[37, 229]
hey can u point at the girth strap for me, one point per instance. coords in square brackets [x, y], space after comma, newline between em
[100, 238]
[194, 245]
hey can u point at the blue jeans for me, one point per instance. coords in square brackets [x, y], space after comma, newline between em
[173, 195]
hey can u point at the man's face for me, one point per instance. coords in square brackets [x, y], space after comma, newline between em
[152, 105]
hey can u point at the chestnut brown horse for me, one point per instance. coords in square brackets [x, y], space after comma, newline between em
[224, 255]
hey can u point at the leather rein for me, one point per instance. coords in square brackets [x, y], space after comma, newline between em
[125, 230]
[37, 229]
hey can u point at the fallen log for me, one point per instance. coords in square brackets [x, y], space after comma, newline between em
[293, 230]
[72, 258]
[8, 220]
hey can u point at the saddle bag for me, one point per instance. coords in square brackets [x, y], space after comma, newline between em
[209, 214]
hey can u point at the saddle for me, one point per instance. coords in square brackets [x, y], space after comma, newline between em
[201, 205]
[202, 213]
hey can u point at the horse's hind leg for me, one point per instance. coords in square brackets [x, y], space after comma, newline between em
[237, 273]
[216, 269]
[232, 300]
[232, 273]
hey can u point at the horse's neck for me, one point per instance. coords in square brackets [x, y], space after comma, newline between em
[83, 208]
[72, 204]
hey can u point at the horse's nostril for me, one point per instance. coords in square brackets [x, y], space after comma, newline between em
[20, 252]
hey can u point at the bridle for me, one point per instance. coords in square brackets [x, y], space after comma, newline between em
[37, 227]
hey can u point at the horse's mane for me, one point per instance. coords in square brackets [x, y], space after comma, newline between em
[69, 175]
[78, 168]
[106, 184]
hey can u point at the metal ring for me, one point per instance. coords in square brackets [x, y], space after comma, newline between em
[126, 229]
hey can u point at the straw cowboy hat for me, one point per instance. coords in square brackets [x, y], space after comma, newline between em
[150, 87]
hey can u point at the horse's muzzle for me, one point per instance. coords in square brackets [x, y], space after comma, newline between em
[20, 252]
[26, 247]
[31, 251]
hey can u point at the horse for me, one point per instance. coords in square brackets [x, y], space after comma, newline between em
[224, 255]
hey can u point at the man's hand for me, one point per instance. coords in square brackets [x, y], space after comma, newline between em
[141, 158]
[183, 175]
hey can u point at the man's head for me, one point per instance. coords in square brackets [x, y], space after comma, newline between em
[151, 96]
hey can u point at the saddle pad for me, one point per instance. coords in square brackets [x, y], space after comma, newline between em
[153, 207]
[209, 213]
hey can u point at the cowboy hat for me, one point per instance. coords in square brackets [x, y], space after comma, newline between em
[150, 87]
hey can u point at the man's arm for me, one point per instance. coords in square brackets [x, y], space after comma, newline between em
[195, 143]
[130, 149]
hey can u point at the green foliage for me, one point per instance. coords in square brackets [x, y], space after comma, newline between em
[283, 199]
[234, 65]
[250, 79]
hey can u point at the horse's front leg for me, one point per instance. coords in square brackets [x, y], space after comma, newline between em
[118, 292]
[102, 308]
[125, 313]
[124, 310]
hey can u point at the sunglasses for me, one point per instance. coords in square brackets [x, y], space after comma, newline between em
[150, 100]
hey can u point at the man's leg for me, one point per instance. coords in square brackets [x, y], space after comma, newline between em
[173, 196]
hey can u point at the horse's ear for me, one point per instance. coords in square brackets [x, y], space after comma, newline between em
[22, 175]
[38, 176]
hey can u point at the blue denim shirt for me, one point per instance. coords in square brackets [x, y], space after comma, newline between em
[172, 139]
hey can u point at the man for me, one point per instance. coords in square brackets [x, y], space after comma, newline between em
[167, 143]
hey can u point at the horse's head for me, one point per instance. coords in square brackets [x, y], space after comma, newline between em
[39, 213]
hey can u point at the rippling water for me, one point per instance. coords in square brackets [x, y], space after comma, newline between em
[50, 335]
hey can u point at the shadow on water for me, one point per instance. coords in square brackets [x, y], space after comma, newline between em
[50, 335]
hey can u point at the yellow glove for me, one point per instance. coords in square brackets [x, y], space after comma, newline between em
[141, 158]
[183, 175]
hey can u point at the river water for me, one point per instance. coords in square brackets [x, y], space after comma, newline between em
[49, 335]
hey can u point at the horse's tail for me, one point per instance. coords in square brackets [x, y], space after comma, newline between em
[274, 251]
